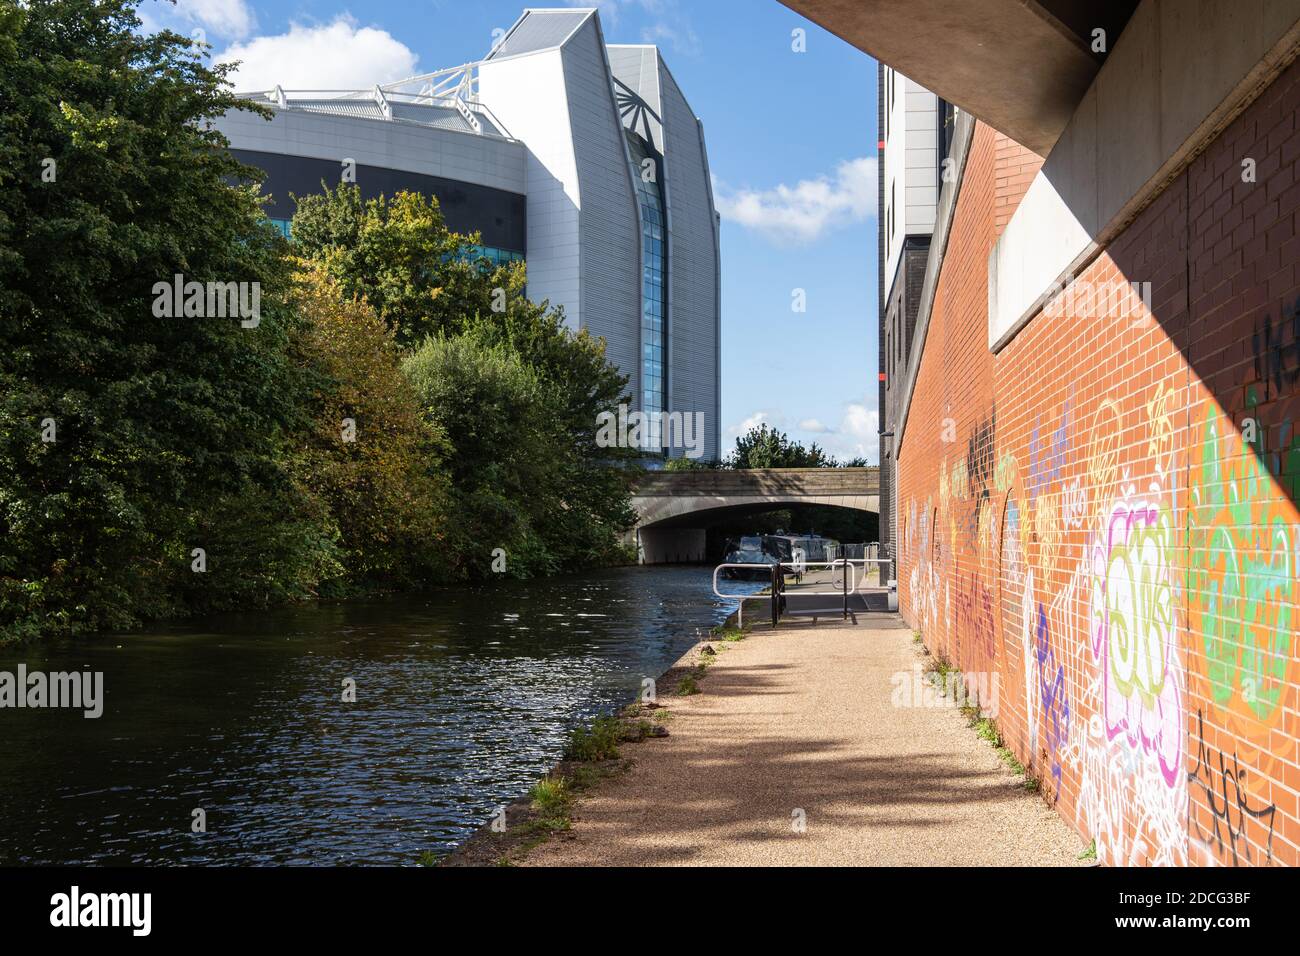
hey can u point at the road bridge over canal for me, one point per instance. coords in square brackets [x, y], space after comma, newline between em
[675, 508]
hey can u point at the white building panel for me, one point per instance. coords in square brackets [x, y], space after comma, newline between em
[609, 228]
[911, 158]
[694, 312]
[528, 94]
[485, 160]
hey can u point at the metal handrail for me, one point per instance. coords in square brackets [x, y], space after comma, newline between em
[883, 585]
[777, 586]
[804, 565]
[741, 598]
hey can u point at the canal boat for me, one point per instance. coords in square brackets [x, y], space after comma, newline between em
[750, 550]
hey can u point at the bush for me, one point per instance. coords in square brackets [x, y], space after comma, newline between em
[371, 455]
[168, 434]
[599, 742]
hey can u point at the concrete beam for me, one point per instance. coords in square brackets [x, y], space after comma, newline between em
[1020, 66]
[1179, 75]
[787, 482]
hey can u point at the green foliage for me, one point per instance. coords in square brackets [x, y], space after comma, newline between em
[490, 406]
[688, 685]
[766, 447]
[515, 393]
[690, 464]
[177, 434]
[371, 456]
[551, 798]
[170, 432]
[730, 633]
[397, 254]
[938, 670]
[985, 729]
[599, 742]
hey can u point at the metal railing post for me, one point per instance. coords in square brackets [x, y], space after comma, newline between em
[846, 589]
[776, 594]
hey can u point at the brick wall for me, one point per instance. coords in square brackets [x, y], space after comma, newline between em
[1104, 514]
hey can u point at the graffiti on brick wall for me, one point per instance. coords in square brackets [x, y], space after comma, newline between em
[1098, 591]
[1232, 812]
[1277, 355]
[1243, 570]
[975, 620]
[1089, 590]
[1129, 753]
[1133, 631]
[920, 549]
[1244, 562]
[979, 478]
[1053, 696]
[971, 496]
[1047, 457]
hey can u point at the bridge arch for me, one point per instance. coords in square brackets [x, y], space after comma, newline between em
[675, 509]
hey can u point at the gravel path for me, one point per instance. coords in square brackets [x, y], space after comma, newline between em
[802, 720]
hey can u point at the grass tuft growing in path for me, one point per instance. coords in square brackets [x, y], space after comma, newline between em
[944, 675]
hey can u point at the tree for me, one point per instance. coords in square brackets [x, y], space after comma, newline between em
[504, 470]
[400, 256]
[534, 483]
[129, 440]
[371, 455]
[765, 447]
[690, 464]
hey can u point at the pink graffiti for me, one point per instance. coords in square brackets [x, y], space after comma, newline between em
[1133, 633]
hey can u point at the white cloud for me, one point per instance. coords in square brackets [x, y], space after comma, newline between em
[856, 436]
[753, 421]
[680, 37]
[814, 426]
[671, 26]
[861, 423]
[334, 56]
[812, 207]
[233, 19]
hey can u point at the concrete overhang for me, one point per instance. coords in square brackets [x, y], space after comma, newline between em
[1021, 66]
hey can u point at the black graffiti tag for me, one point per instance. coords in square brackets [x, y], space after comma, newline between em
[1214, 781]
[1277, 362]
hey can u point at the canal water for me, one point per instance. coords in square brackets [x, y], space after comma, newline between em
[463, 698]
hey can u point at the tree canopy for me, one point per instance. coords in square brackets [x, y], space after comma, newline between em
[766, 447]
[128, 440]
[393, 412]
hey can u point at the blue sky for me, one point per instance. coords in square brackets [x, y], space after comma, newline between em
[791, 139]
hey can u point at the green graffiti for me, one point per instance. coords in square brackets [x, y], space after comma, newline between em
[1241, 578]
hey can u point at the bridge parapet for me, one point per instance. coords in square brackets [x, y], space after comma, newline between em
[803, 482]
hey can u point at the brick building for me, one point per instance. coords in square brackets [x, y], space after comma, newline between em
[916, 130]
[1098, 466]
